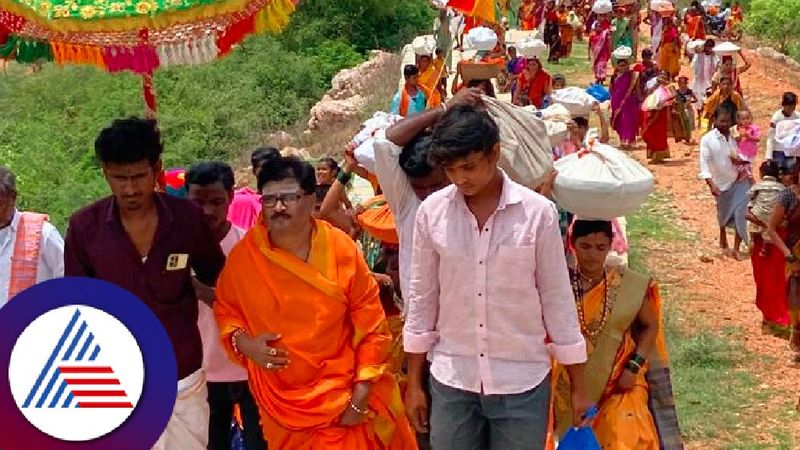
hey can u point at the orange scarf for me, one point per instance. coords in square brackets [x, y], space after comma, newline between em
[25, 260]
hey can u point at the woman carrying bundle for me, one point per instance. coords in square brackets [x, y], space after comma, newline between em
[656, 112]
[600, 46]
[626, 98]
[533, 86]
[669, 52]
[628, 371]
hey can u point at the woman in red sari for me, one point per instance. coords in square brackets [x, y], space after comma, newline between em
[784, 228]
[533, 85]
[656, 111]
[768, 265]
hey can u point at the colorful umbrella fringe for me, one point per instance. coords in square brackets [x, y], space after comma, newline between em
[139, 44]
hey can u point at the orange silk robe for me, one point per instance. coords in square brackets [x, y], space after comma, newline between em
[331, 322]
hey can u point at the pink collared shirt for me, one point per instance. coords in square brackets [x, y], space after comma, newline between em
[483, 303]
[245, 208]
[219, 368]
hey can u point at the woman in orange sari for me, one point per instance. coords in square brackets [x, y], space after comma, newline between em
[565, 30]
[669, 52]
[527, 19]
[628, 369]
[429, 80]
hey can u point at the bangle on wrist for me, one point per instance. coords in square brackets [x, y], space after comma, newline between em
[344, 177]
[358, 410]
[638, 359]
[235, 346]
[633, 367]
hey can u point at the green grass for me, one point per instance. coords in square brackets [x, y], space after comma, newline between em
[718, 401]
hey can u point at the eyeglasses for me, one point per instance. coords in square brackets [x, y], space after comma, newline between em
[287, 198]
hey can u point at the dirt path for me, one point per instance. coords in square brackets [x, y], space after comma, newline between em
[721, 292]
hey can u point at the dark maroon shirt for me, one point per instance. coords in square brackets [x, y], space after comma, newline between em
[98, 246]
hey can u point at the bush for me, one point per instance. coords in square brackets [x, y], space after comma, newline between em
[216, 111]
[775, 20]
[366, 24]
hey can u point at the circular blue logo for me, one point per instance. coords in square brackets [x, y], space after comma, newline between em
[89, 366]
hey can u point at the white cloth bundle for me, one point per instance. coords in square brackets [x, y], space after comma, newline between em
[531, 47]
[601, 183]
[622, 52]
[787, 134]
[424, 45]
[726, 49]
[576, 100]
[556, 113]
[364, 152]
[525, 151]
[662, 5]
[482, 38]
[696, 45]
[602, 7]
[557, 131]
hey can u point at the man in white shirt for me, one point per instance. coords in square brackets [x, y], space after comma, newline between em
[787, 112]
[210, 186]
[728, 185]
[489, 285]
[31, 249]
[405, 177]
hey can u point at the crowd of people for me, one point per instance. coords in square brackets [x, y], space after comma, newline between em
[456, 309]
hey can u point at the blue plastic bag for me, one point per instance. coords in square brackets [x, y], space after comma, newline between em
[579, 439]
[582, 438]
[237, 437]
[599, 92]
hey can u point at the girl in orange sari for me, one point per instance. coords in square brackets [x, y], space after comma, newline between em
[527, 19]
[628, 369]
[669, 52]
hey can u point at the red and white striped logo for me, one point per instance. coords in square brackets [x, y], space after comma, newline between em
[73, 366]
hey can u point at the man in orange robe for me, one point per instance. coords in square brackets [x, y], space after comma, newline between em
[299, 308]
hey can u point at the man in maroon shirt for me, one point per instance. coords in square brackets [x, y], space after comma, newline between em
[149, 243]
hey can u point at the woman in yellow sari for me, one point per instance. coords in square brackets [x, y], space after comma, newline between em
[627, 371]
[430, 76]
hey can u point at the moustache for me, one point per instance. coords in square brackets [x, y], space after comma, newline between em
[280, 215]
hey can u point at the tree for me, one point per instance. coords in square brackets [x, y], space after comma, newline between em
[775, 20]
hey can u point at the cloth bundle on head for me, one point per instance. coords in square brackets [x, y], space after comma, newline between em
[364, 140]
[576, 100]
[696, 45]
[556, 118]
[602, 7]
[622, 52]
[525, 151]
[662, 6]
[377, 219]
[482, 39]
[530, 47]
[601, 183]
[424, 45]
[726, 49]
[787, 134]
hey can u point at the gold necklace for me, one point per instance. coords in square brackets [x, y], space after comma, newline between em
[590, 330]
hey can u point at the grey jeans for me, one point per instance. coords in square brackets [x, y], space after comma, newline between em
[462, 420]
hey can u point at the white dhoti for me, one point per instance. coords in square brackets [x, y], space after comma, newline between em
[188, 427]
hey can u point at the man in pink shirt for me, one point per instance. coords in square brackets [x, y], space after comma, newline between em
[490, 300]
[246, 204]
[210, 186]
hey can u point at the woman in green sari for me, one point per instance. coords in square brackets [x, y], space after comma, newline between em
[623, 31]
